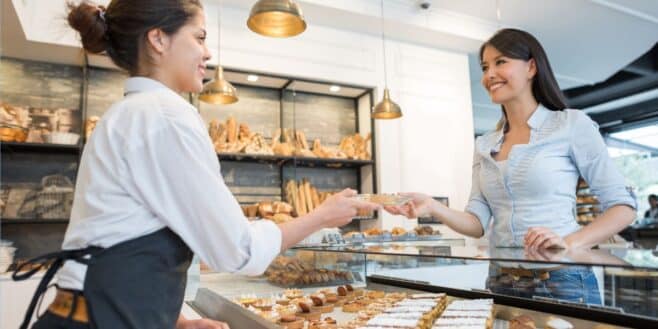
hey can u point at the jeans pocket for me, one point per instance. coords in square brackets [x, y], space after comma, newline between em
[567, 285]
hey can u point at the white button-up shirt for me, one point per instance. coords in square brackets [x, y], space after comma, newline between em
[150, 164]
[537, 185]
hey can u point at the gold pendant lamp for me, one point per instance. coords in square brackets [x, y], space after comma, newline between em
[387, 108]
[276, 18]
[219, 90]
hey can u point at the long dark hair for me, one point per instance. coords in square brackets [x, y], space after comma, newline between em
[121, 29]
[522, 45]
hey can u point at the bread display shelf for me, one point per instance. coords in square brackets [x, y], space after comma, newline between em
[33, 221]
[291, 160]
[40, 147]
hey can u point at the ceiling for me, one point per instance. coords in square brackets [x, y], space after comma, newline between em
[588, 41]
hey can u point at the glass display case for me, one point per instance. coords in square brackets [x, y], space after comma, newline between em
[597, 288]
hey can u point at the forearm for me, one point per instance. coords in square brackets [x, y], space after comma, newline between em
[613, 220]
[180, 322]
[462, 222]
[296, 230]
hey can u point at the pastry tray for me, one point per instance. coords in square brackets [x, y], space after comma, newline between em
[384, 199]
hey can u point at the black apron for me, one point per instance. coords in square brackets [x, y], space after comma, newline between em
[138, 283]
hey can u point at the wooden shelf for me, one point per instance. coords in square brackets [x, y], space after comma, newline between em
[291, 160]
[41, 147]
[34, 221]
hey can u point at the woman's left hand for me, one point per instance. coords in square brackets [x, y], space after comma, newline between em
[201, 324]
[543, 238]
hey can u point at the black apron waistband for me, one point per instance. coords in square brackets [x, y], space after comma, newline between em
[56, 260]
[164, 241]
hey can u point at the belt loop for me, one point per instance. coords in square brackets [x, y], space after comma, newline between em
[74, 305]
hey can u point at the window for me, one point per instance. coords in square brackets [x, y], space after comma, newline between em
[635, 152]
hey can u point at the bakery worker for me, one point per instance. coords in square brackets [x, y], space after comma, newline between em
[525, 172]
[149, 191]
[652, 212]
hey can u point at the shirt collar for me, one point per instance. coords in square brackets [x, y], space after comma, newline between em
[538, 117]
[535, 122]
[142, 84]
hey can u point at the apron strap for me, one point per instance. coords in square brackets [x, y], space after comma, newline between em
[58, 258]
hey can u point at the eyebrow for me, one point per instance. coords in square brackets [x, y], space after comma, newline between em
[496, 58]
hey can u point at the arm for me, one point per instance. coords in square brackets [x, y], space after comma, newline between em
[184, 323]
[463, 222]
[177, 177]
[613, 220]
[470, 222]
[336, 211]
[590, 155]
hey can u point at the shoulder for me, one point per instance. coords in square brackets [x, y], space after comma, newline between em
[575, 119]
[155, 108]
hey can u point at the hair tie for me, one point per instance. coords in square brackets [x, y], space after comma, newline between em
[101, 14]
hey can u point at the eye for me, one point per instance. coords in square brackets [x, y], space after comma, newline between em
[484, 68]
[500, 61]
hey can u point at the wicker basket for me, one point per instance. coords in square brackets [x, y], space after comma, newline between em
[55, 199]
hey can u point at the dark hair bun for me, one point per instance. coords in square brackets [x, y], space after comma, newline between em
[86, 19]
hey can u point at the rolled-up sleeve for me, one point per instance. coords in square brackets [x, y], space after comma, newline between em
[590, 154]
[477, 203]
[177, 177]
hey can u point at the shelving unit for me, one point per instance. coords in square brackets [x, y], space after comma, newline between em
[587, 206]
[272, 102]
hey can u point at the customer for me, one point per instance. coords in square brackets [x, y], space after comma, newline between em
[149, 192]
[652, 212]
[525, 171]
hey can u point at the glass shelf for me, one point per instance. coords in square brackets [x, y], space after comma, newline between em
[640, 259]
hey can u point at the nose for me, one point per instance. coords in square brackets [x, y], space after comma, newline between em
[206, 54]
[489, 74]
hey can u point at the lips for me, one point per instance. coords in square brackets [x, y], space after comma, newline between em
[202, 70]
[495, 85]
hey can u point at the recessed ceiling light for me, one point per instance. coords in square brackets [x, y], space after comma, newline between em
[252, 78]
[334, 89]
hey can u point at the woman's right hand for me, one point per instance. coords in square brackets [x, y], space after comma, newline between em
[421, 205]
[340, 208]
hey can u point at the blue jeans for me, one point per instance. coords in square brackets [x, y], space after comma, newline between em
[574, 284]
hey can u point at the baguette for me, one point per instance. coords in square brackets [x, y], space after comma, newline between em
[232, 130]
[315, 197]
[302, 199]
[307, 195]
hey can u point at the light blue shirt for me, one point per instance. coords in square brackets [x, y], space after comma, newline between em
[537, 185]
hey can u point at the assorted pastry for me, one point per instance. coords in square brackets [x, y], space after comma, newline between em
[276, 211]
[426, 230]
[373, 309]
[38, 125]
[396, 232]
[288, 271]
[473, 313]
[233, 137]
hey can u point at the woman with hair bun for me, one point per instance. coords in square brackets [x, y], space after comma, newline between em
[149, 191]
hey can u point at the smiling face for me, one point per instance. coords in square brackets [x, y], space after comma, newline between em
[182, 56]
[506, 79]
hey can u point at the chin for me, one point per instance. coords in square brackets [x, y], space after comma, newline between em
[498, 99]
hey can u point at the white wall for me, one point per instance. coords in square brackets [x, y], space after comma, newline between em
[429, 150]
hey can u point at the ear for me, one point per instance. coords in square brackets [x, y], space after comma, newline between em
[157, 40]
[532, 68]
